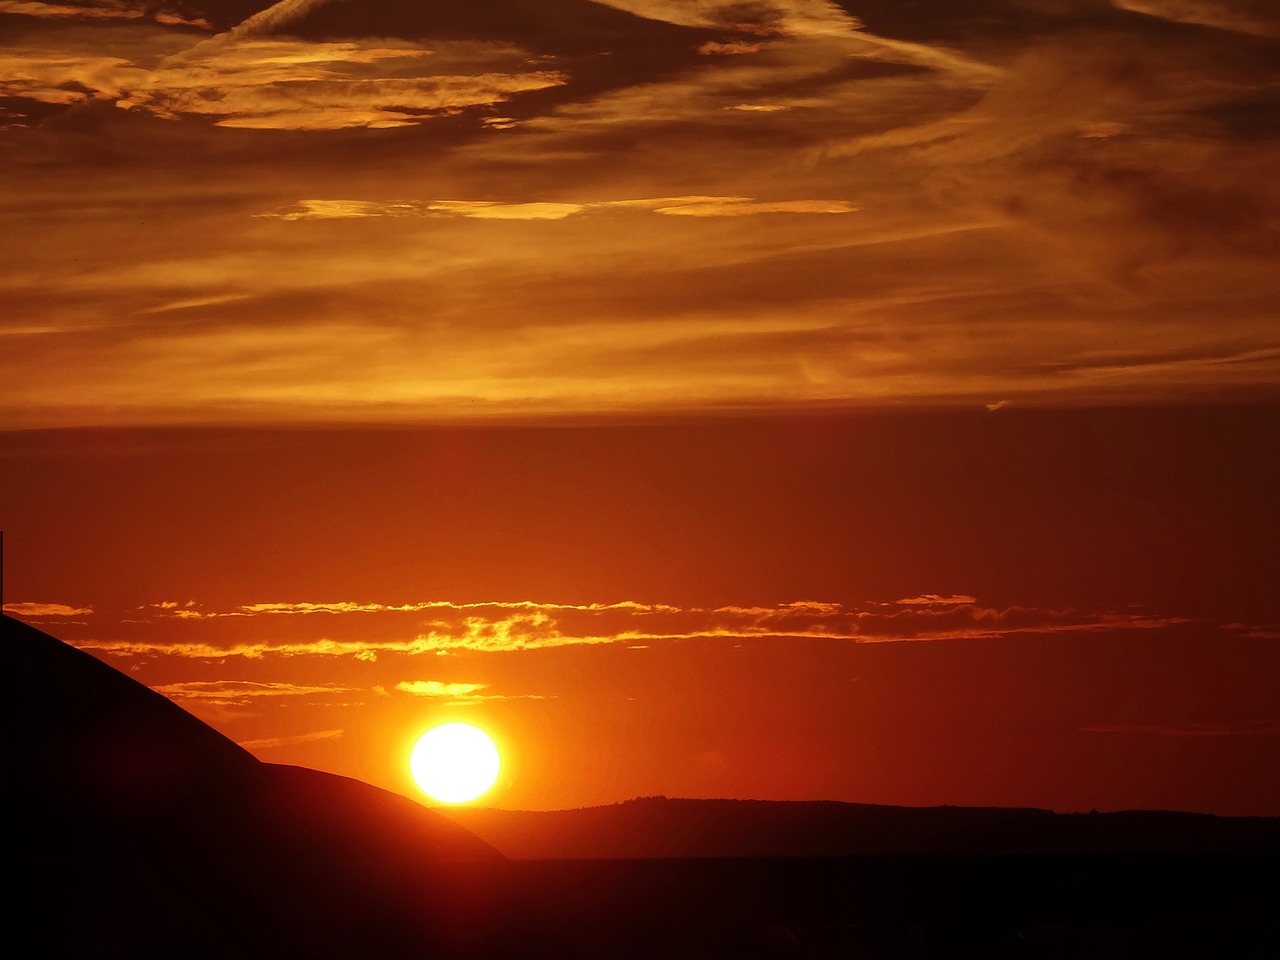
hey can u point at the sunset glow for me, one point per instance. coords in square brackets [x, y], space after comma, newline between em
[790, 400]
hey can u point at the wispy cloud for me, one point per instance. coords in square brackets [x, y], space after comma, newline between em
[457, 692]
[1258, 17]
[510, 626]
[240, 692]
[934, 600]
[759, 17]
[192, 610]
[438, 688]
[338, 209]
[296, 85]
[31, 610]
[715, 48]
[102, 10]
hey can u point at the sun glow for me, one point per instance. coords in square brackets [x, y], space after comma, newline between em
[454, 763]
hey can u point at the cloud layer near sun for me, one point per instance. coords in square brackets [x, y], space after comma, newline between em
[341, 629]
[713, 691]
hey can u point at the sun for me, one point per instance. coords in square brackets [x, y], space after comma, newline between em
[454, 762]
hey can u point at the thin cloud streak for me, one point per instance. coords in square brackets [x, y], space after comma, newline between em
[528, 626]
[336, 209]
[462, 693]
[239, 691]
[30, 610]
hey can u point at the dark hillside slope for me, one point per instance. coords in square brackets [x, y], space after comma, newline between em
[134, 827]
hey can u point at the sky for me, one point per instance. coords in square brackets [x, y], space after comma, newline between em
[788, 399]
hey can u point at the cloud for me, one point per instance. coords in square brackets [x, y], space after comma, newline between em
[39, 611]
[457, 692]
[762, 17]
[489, 210]
[196, 302]
[1029, 185]
[226, 692]
[714, 48]
[280, 14]
[288, 84]
[338, 209]
[514, 626]
[52, 77]
[437, 688]
[1258, 17]
[192, 611]
[934, 600]
[744, 207]
[248, 78]
[102, 10]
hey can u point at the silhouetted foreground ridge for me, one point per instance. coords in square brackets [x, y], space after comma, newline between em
[137, 828]
[138, 831]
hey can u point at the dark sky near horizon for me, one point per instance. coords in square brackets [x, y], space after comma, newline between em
[863, 401]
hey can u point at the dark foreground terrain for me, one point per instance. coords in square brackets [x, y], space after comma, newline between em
[134, 830]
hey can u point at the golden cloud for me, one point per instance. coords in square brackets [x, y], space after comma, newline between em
[437, 688]
[508, 626]
[279, 83]
[814, 18]
[229, 691]
[934, 600]
[487, 210]
[735, 207]
[65, 78]
[696, 206]
[296, 85]
[458, 692]
[714, 48]
[39, 611]
[1259, 17]
[102, 10]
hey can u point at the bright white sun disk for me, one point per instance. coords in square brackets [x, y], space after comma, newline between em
[454, 763]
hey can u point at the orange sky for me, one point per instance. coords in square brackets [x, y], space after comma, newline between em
[863, 401]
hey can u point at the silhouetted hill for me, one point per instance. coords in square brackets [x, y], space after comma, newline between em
[659, 827]
[135, 826]
[137, 831]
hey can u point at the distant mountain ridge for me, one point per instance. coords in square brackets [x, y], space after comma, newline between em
[657, 827]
